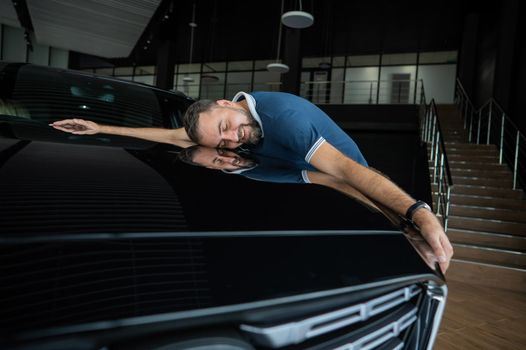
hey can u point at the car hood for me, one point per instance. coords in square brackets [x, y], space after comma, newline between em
[91, 233]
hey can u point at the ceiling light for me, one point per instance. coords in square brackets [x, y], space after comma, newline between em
[277, 67]
[297, 19]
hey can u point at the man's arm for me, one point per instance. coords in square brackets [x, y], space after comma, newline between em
[85, 127]
[331, 161]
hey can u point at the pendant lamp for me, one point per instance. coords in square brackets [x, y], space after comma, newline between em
[297, 19]
[278, 67]
[193, 25]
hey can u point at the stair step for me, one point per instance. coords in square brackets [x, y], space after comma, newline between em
[470, 146]
[498, 174]
[485, 191]
[486, 201]
[455, 138]
[501, 257]
[453, 164]
[488, 275]
[487, 239]
[483, 181]
[474, 152]
[472, 158]
[487, 225]
[488, 213]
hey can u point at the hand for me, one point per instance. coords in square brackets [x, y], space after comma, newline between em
[434, 234]
[77, 126]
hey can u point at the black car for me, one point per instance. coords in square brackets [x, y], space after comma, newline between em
[109, 242]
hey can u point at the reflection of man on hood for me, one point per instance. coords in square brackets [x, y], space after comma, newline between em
[216, 158]
[256, 167]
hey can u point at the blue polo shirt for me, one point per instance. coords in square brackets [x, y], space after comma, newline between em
[294, 128]
[272, 169]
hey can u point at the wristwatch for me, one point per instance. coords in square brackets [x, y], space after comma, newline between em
[412, 209]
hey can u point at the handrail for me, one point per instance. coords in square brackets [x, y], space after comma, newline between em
[442, 144]
[482, 129]
[432, 135]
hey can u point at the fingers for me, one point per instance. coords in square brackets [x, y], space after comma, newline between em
[69, 121]
[442, 249]
[73, 126]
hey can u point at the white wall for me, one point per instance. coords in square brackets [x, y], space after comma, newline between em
[439, 82]
[13, 45]
[359, 90]
[13, 48]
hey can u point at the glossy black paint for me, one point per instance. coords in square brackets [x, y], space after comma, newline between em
[96, 229]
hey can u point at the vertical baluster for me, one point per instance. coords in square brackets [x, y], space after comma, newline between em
[448, 201]
[501, 137]
[436, 158]
[470, 125]
[489, 121]
[516, 162]
[428, 124]
[478, 126]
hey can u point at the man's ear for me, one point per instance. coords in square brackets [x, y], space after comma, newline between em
[224, 103]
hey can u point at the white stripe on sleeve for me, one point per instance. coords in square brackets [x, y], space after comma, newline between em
[314, 148]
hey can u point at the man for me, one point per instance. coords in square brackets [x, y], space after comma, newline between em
[293, 129]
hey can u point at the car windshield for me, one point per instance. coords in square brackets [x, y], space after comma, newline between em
[31, 97]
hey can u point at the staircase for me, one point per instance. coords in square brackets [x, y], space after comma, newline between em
[487, 222]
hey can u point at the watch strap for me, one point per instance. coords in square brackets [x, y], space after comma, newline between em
[412, 209]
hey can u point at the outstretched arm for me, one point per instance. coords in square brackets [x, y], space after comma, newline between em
[375, 186]
[76, 126]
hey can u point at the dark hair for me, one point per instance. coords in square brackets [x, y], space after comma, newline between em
[191, 117]
[187, 155]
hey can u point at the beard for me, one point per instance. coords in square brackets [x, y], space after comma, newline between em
[254, 130]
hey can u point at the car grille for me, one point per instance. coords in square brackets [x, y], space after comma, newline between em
[380, 322]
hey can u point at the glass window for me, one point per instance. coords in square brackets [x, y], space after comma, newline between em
[214, 67]
[125, 77]
[363, 60]
[145, 70]
[190, 68]
[58, 58]
[361, 85]
[314, 62]
[238, 81]
[336, 85]
[123, 71]
[104, 71]
[240, 65]
[305, 87]
[438, 57]
[188, 84]
[338, 61]
[399, 58]
[267, 81]
[439, 82]
[262, 64]
[213, 86]
[397, 84]
[145, 79]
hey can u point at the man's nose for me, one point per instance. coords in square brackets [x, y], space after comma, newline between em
[232, 135]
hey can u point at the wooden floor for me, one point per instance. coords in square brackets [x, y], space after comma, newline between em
[479, 317]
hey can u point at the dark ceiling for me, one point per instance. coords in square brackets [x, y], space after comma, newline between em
[243, 30]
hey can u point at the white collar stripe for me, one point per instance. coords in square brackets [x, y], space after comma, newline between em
[251, 102]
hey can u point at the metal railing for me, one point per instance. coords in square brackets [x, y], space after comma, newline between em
[362, 91]
[431, 133]
[489, 124]
[320, 92]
